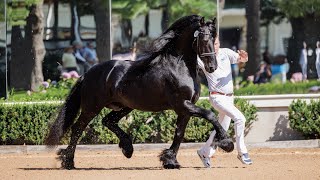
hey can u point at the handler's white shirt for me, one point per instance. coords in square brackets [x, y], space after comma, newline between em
[221, 79]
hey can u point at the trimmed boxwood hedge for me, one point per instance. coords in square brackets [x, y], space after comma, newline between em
[28, 124]
[59, 90]
[305, 118]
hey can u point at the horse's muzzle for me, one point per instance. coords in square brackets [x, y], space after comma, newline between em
[211, 69]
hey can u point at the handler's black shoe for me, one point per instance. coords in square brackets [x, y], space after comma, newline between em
[205, 160]
[244, 158]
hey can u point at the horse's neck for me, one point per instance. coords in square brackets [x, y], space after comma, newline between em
[192, 67]
[180, 54]
[189, 56]
[189, 61]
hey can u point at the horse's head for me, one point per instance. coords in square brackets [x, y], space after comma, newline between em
[203, 45]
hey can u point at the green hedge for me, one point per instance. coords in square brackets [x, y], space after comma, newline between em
[305, 118]
[276, 88]
[270, 88]
[60, 89]
[25, 123]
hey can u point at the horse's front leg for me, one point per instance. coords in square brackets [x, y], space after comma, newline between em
[224, 142]
[169, 156]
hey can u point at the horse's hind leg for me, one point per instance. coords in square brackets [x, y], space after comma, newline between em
[67, 155]
[169, 156]
[111, 121]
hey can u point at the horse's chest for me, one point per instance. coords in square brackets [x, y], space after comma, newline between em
[189, 87]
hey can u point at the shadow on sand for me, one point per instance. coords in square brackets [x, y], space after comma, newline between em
[126, 168]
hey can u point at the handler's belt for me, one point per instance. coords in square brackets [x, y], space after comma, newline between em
[213, 93]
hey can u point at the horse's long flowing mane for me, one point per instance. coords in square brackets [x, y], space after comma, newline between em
[164, 42]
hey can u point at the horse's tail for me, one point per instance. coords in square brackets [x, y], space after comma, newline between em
[66, 116]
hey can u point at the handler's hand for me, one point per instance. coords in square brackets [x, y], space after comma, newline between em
[243, 55]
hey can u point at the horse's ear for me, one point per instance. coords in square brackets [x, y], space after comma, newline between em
[214, 20]
[202, 23]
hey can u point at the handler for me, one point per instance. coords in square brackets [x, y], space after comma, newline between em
[221, 98]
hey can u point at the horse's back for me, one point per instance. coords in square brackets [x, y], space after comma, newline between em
[99, 83]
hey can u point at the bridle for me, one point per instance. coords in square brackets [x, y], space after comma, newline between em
[196, 39]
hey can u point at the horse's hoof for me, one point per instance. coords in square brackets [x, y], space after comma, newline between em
[226, 144]
[172, 166]
[127, 148]
[66, 163]
[126, 153]
[169, 161]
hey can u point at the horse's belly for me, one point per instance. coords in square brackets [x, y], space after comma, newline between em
[152, 108]
[146, 103]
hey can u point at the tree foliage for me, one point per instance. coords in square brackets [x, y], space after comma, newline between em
[270, 12]
[18, 11]
[129, 9]
[181, 8]
[2, 10]
[171, 10]
[276, 10]
[299, 8]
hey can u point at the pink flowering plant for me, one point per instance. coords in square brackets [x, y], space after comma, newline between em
[46, 84]
[48, 90]
[68, 79]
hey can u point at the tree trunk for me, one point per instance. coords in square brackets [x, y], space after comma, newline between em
[253, 37]
[146, 25]
[56, 19]
[312, 35]
[35, 46]
[165, 17]
[126, 32]
[18, 62]
[48, 20]
[295, 45]
[75, 32]
[103, 28]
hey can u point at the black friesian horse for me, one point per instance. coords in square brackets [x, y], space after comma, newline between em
[164, 78]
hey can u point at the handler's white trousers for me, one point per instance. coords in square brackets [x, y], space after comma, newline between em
[227, 111]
